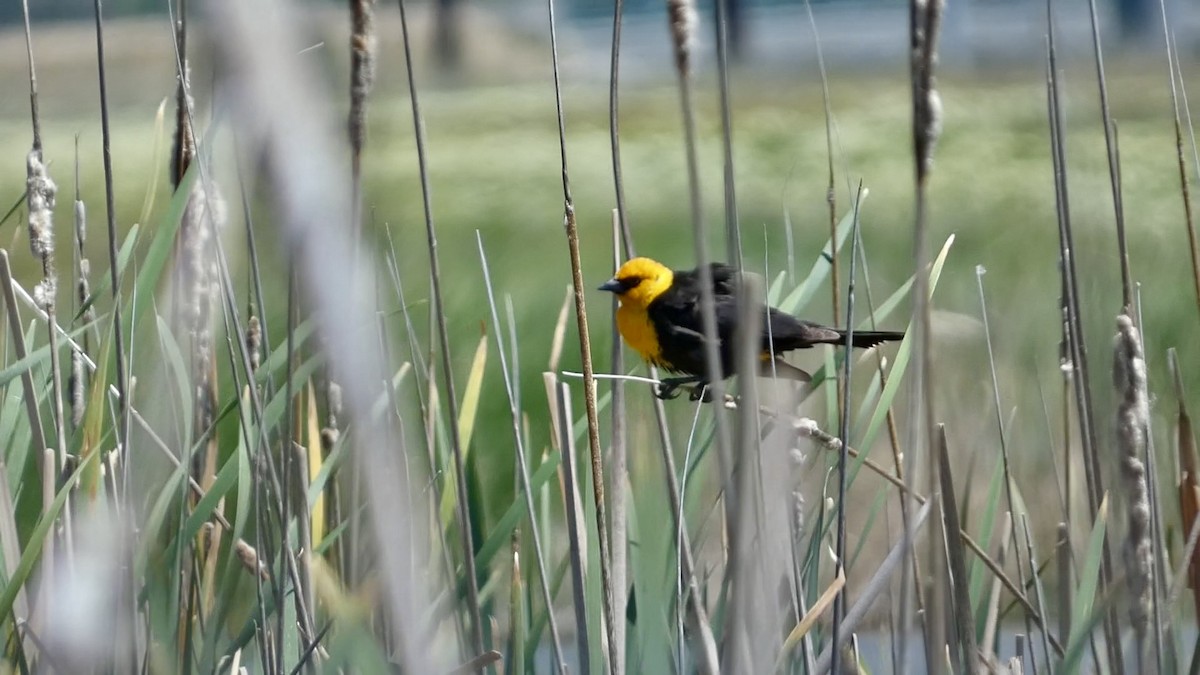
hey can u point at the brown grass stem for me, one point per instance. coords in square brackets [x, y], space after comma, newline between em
[585, 353]
[464, 512]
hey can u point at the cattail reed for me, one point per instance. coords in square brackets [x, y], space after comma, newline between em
[254, 342]
[83, 288]
[248, 556]
[39, 196]
[184, 141]
[1133, 413]
[362, 71]
[41, 190]
[196, 293]
[330, 433]
[77, 385]
[682, 17]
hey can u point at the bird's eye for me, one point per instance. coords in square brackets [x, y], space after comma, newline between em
[629, 283]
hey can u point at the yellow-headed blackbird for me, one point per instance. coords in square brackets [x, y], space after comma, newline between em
[660, 318]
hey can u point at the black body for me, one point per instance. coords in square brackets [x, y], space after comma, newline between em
[678, 320]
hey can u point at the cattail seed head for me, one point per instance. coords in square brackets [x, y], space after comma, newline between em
[1133, 419]
[329, 438]
[76, 386]
[83, 288]
[335, 402]
[45, 292]
[254, 342]
[40, 192]
[682, 16]
[249, 558]
[80, 223]
[362, 68]
[183, 141]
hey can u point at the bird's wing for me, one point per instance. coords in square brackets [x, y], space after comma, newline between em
[787, 332]
[725, 279]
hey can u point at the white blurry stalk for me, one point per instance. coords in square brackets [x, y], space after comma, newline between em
[286, 118]
[85, 627]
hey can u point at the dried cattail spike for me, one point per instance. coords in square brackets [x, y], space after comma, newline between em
[249, 558]
[39, 195]
[205, 536]
[362, 68]
[83, 290]
[329, 438]
[682, 15]
[254, 342]
[77, 385]
[1133, 418]
[183, 142]
[45, 292]
[80, 223]
[335, 403]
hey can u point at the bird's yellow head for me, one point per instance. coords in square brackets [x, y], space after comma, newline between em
[640, 281]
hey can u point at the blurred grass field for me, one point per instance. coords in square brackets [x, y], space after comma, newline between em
[494, 168]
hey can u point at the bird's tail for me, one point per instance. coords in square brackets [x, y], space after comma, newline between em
[866, 339]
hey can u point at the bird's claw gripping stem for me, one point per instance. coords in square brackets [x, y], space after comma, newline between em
[668, 388]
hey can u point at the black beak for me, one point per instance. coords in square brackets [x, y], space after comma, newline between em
[612, 286]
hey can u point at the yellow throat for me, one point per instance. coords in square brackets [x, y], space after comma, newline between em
[642, 280]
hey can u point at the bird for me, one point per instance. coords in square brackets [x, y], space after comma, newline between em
[660, 318]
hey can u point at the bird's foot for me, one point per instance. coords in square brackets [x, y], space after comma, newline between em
[701, 393]
[668, 388]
